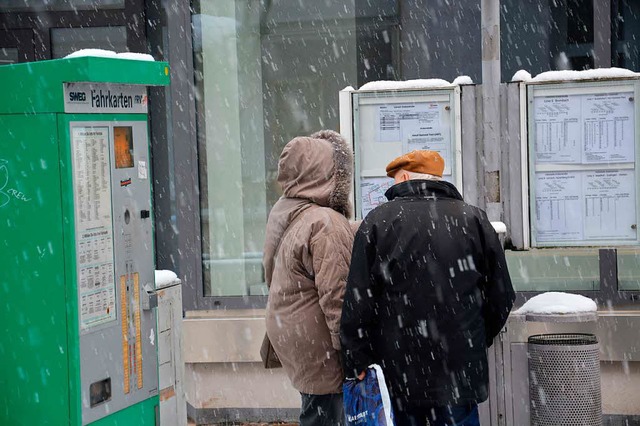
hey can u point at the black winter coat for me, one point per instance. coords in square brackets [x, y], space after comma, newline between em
[427, 292]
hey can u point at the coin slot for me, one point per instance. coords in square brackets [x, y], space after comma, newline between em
[100, 392]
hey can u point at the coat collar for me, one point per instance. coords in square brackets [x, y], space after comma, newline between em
[418, 188]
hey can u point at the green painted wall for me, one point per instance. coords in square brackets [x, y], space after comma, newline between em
[34, 374]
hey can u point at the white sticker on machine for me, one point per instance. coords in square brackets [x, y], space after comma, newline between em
[142, 170]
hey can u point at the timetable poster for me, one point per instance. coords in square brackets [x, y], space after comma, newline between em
[558, 211]
[609, 204]
[418, 126]
[585, 206]
[585, 129]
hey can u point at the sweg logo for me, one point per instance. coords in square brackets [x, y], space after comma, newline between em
[358, 416]
[77, 97]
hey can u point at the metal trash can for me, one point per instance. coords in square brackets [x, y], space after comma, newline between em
[564, 385]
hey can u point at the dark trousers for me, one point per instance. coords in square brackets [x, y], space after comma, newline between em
[455, 415]
[322, 410]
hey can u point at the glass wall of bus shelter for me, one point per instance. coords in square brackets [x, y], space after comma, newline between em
[540, 36]
[267, 71]
[610, 275]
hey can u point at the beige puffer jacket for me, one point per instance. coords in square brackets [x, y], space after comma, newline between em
[307, 273]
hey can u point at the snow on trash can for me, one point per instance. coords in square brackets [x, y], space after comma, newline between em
[564, 380]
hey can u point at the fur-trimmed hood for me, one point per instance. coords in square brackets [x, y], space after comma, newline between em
[318, 168]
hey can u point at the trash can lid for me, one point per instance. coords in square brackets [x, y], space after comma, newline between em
[563, 339]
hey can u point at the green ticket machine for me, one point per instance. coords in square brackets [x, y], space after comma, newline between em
[78, 341]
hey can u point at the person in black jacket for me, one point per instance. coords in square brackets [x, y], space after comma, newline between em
[427, 292]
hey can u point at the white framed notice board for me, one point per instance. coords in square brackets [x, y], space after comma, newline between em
[583, 140]
[387, 124]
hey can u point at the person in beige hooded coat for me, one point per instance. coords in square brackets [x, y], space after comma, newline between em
[306, 259]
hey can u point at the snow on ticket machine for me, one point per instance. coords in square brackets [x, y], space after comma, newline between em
[78, 344]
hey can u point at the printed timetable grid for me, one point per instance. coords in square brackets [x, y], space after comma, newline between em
[585, 205]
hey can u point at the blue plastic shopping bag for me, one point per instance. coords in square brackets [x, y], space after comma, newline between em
[367, 402]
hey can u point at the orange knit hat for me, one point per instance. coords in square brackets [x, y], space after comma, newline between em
[419, 161]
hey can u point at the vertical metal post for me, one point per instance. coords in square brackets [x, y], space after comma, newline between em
[490, 25]
[512, 163]
[470, 118]
[183, 111]
[175, 150]
[608, 276]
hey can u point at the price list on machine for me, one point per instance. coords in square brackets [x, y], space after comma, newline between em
[94, 234]
[584, 152]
